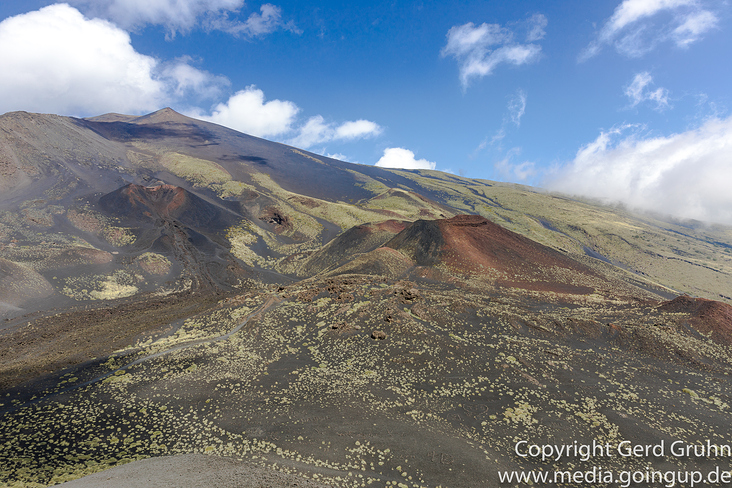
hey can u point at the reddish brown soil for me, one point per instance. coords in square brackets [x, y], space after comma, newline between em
[137, 204]
[149, 201]
[390, 251]
[75, 256]
[276, 218]
[475, 245]
[393, 226]
[472, 241]
[706, 316]
[163, 198]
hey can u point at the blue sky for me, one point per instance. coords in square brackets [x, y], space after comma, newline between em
[620, 100]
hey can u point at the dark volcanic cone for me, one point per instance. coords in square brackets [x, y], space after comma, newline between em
[183, 226]
[706, 316]
[473, 245]
[353, 242]
[144, 203]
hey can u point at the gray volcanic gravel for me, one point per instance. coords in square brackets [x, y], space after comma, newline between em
[191, 471]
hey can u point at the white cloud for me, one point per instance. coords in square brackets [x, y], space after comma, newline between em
[630, 11]
[182, 16]
[480, 49]
[257, 25]
[515, 171]
[633, 33]
[56, 60]
[339, 157]
[357, 129]
[686, 175]
[483, 144]
[638, 93]
[247, 111]
[511, 171]
[397, 157]
[317, 131]
[497, 137]
[185, 80]
[517, 107]
[175, 15]
[693, 26]
[314, 131]
[537, 24]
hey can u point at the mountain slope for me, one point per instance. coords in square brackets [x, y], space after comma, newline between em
[170, 286]
[292, 201]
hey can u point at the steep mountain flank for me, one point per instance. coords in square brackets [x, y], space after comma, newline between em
[473, 245]
[709, 317]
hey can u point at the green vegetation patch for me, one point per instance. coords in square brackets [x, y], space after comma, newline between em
[120, 284]
[200, 172]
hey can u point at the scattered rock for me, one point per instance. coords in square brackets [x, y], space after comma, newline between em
[379, 335]
[407, 295]
[308, 295]
[273, 216]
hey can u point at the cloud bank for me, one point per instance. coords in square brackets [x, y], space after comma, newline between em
[633, 29]
[685, 175]
[56, 60]
[397, 157]
[480, 49]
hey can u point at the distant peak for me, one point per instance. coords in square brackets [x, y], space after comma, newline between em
[166, 114]
[112, 117]
[165, 111]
